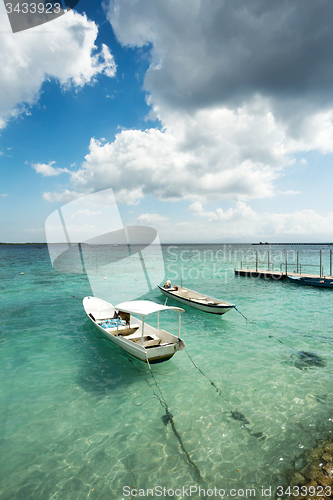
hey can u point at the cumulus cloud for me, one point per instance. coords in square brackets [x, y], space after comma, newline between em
[46, 169]
[153, 219]
[242, 223]
[290, 192]
[245, 224]
[235, 94]
[197, 209]
[215, 154]
[243, 220]
[64, 197]
[242, 212]
[277, 48]
[67, 53]
[238, 89]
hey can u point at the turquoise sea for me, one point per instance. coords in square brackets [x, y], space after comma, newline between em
[78, 419]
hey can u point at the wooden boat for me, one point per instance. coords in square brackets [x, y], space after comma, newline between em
[195, 299]
[134, 336]
[302, 280]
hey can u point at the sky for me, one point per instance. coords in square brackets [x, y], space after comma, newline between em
[211, 120]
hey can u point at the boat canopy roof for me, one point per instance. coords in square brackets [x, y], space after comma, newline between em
[144, 307]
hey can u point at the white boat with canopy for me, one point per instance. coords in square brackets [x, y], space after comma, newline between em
[195, 299]
[131, 334]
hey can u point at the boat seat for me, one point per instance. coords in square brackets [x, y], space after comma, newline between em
[127, 331]
[136, 340]
[147, 340]
[152, 343]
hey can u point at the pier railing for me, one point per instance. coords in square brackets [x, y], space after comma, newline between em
[267, 266]
[285, 267]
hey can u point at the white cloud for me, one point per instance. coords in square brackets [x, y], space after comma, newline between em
[230, 121]
[291, 192]
[3, 195]
[196, 207]
[66, 53]
[241, 212]
[46, 169]
[315, 132]
[105, 199]
[241, 223]
[232, 116]
[217, 153]
[64, 197]
[152, 219]
[243, 220]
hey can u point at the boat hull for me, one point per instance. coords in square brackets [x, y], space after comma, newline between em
[126, 342]
[154, 355]
[317, 282]
[218, 309]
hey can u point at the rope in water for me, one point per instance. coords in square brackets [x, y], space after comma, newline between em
[212, 383]
[309, 355]
[247, 319]
[270, 336]
[287, 345]
[236, 415]
[168, 417]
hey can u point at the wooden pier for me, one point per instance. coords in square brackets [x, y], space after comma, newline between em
[286, 269]
[276, 275]
[255, 273]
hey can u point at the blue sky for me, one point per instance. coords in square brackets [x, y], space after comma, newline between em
[211, 121]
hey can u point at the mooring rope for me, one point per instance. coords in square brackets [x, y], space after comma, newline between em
[310, 356]
[212, 383]
[287, 345]
[247, 319]
[168, 417]
[236, 415]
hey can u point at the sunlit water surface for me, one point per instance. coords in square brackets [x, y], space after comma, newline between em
[79, 420]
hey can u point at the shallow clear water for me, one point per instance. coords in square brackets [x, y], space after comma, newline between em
[78, 419]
